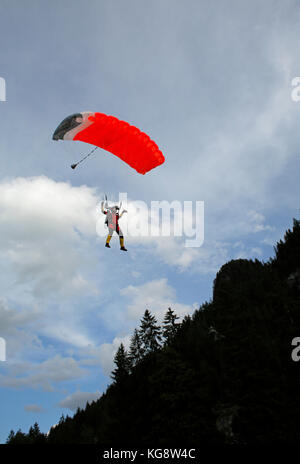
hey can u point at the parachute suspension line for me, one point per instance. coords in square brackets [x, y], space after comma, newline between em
[73, 166]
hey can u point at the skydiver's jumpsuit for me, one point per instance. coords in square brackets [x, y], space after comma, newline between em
[112, 222]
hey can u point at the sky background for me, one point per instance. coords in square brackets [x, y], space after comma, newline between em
[210, 82]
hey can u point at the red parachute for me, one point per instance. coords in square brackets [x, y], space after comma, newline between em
[113, 135]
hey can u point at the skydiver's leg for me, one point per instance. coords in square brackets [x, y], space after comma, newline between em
[110, 232]
[121, 237]
[108, 240]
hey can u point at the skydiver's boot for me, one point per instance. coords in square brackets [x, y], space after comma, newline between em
[107, 241]
[122, 244]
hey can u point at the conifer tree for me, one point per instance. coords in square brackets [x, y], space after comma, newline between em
[169, 325]
[10, 437]
[35, 435]
[150, 332]
[19, 438]
[136, 350]
[243, 389]
[122, 362]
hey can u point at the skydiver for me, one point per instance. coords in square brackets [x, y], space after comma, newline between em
[112, 222]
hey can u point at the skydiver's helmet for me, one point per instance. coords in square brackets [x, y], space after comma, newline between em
[115, 209]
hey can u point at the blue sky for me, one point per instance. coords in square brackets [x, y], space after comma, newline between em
[211, 83]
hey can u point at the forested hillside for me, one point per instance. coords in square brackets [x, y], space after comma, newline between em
[223, 375]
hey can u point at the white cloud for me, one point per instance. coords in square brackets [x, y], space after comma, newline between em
[157, 296]
[256, 222]
[45, 230]
[256, 251]
[44, 226]
[107, 352]
[16, 329]
[35, 408]
[43, 375]
[78, 399]
[172, 251]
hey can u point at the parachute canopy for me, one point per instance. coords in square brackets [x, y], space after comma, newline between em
[116, 136]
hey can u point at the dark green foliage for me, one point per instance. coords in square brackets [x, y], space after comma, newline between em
[224, 375]
[287, 252]
[123, 364]
[136, 350]
[150, 333]
[34, 436]
[170, 326]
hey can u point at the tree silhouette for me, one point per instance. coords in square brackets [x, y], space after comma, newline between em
[122, 362]
[150, 333]
[136, 351]
[170, 325]
[223, 375]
